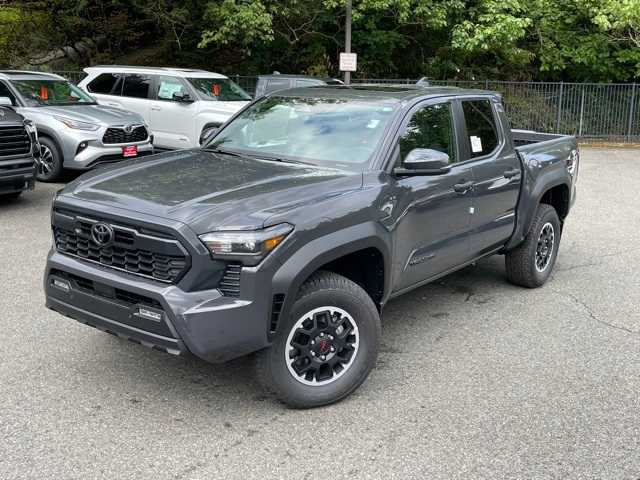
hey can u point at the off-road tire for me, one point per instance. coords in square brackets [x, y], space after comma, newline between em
[321, 290]
[521, 261]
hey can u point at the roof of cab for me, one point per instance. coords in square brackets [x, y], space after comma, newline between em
[380, 92]
[170, 71]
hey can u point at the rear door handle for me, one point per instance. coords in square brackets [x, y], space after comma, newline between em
[511, 173]
[462, 188]
[157, 109]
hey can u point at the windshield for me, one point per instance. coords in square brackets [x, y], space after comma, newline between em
[220, 89]
[51, 92]
[331, 132]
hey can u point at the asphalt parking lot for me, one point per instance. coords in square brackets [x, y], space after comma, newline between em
[476, 378]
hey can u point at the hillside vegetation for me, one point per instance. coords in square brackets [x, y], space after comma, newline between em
[571, 40]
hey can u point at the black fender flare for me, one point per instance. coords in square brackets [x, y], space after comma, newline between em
[290, 276]
[528, 205]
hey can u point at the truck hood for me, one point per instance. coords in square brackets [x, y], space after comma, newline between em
[99, 114]
[210, 191]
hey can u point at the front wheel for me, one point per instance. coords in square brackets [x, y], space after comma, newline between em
[326, 347]
[530, 264]
[49, 165]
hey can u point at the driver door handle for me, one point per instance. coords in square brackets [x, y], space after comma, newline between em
[463, 188]
[511, 173]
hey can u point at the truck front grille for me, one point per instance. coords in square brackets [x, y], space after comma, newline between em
[159, 258]
[120, 135]
[14, 140]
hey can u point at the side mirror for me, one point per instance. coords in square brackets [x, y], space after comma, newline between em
[207, 134]
[424, 161]
[5, 102]
[182, 97]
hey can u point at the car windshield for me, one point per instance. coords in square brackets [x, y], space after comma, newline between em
[220, 89]
[329, 132]
[51, 92]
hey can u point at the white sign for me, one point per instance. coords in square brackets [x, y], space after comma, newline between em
[476, 144]
[348, 62]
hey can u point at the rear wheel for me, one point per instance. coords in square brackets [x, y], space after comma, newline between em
[326, 347]
[49, 166]
[530, 264]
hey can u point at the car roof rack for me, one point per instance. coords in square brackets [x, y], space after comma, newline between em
[166, 69]
[7, 74]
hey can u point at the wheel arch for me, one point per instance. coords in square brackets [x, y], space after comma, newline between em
[354, 252]
[556, 194]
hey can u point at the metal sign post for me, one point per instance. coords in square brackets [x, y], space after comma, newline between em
[347, 43]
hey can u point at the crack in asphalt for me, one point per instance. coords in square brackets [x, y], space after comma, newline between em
[590, 313]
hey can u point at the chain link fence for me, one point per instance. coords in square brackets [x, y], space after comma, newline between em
[594, 112]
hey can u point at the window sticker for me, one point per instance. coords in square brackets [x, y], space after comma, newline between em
[167, 90]
[476, 144]
[373, 123]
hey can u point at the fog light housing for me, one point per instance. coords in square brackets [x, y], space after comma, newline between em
[81, 147]
[61, 284]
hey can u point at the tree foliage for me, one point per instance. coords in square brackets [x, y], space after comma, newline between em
[581, 40]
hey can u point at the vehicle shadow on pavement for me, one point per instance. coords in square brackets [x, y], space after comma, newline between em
[233, 385]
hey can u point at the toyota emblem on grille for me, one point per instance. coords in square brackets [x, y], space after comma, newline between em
[102, 234]
[128, 128]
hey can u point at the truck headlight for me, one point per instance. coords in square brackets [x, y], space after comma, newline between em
[250, 247]
[77, 125]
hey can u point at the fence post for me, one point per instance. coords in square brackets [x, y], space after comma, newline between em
[581, 112]
[559, 116]
[632, 109]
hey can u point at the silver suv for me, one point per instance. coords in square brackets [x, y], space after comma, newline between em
[74, 131]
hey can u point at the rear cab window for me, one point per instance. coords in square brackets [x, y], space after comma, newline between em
[482, 127]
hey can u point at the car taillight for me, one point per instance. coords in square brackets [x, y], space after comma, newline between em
[573, 163]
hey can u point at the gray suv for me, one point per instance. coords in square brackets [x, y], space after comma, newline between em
[74, 131]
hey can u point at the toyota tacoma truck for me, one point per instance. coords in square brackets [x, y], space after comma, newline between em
[19, 150]
[288, 232]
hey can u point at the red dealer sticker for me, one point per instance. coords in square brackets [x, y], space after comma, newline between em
[130, 151]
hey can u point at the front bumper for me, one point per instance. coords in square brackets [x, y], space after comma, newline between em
[95, 151]
[95, 154]
[17, 174]
[205, 323]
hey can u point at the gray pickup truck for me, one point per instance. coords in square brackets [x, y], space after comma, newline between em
[18, 150]
[288, 232]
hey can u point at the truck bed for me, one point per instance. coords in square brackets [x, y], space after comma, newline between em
[530, 144]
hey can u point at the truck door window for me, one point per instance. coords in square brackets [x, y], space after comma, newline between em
[430, 127]
[481, 127]
[136, 86]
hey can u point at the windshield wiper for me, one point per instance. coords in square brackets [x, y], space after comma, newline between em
[280, 159]
[223, 151]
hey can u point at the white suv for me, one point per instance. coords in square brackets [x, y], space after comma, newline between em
[181, 106]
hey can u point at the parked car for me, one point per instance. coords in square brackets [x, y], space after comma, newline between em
[182, 106]
[74, 131]
[294, 226]
[277, 81]
[18, 151]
